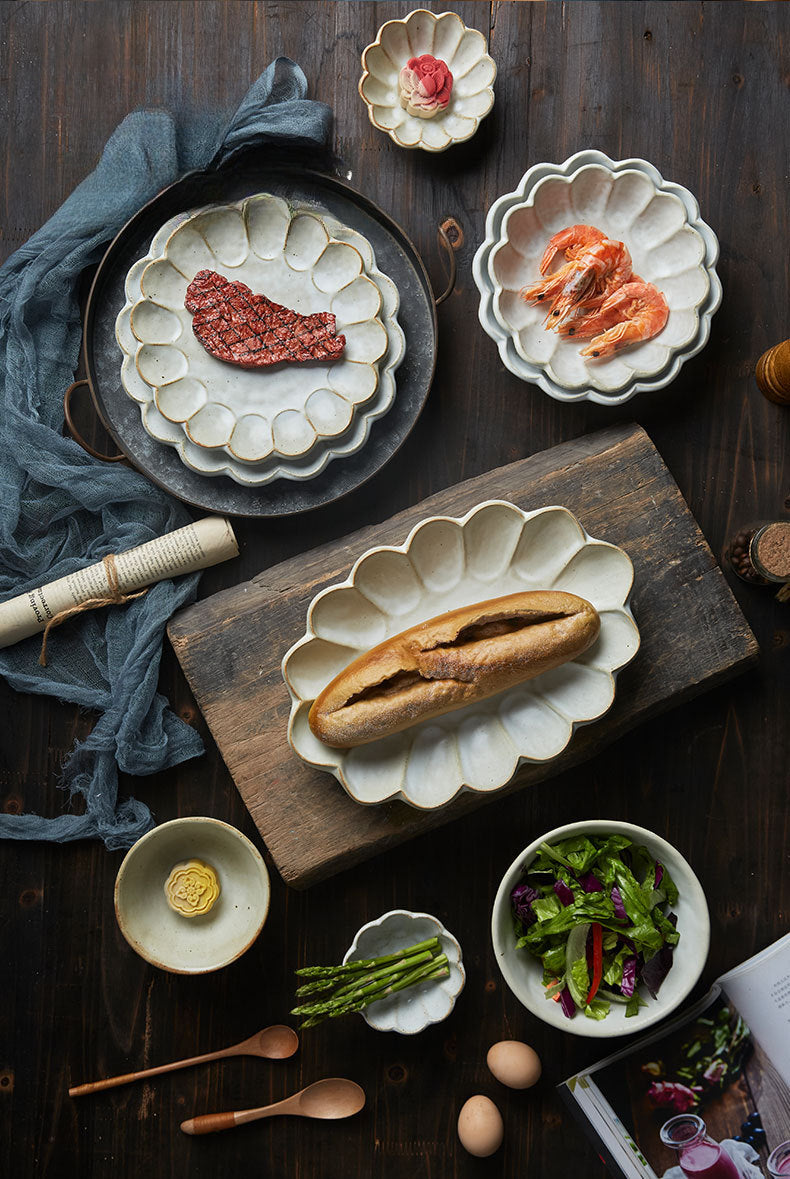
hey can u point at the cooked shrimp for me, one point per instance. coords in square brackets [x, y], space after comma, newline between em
[586, 320]
[574, 241]
[640, 311]
[580, 278]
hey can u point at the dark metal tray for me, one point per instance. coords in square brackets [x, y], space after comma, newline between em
[395, 255]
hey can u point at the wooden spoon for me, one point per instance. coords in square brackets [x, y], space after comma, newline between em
[274, 1043]
[334, 1097]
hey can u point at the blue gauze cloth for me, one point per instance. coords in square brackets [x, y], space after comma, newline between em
[61, 510]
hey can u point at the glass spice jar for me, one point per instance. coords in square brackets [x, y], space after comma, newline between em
[769, 551]
[737, 554]
[759, 553]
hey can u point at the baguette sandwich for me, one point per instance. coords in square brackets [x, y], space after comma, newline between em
[450, 661]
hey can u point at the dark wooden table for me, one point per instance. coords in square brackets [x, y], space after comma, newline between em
[703, 91]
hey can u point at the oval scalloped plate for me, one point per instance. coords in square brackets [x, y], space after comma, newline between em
[261, 424]
[670, 246]
[446, 563]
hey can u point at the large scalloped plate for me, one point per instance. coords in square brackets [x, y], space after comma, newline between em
[260, 425]
[670, 244]
[445, 563]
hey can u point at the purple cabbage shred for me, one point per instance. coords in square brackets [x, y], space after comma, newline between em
[566, 1003]
[656, 969]
[659, 874]
[619, 907]
[563, 892]
[521, 899]
[590, 883]
[629, 977]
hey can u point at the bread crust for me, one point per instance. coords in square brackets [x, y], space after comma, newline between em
[450, 661]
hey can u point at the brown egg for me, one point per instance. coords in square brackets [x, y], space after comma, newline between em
[514, 1064]
[480, 1127]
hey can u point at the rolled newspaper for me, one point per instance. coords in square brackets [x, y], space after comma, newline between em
[206, 542]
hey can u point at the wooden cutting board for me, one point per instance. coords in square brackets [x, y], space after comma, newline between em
[231, 645]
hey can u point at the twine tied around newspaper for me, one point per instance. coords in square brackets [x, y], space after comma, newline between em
[113, 597]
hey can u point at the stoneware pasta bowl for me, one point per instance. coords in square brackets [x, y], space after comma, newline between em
[524, 974]
[445, 563]
[465, 53]
[670, 246]
[288, 420]
[192, 945]
[415, 1008]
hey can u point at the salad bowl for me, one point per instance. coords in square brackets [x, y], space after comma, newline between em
[670, 245]
[523, 972]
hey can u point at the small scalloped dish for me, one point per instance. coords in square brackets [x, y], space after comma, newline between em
[670, 246]
[289, 419]
[446, 563]
[464, 51]
[417, 1007]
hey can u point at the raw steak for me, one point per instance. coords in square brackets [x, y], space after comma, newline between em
[252, 331]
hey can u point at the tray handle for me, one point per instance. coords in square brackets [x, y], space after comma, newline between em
[105, 458]
[451, 238]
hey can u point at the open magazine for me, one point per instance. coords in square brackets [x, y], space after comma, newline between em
[726, 1059]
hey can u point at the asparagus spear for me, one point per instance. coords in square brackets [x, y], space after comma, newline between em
[346, 968]
[435, 969]
[409, 962]
[391, 962]
[377, 988]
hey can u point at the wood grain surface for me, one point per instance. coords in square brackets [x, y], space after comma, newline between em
[231, 645]
[703, 91]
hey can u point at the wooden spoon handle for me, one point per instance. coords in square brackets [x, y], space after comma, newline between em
[208, 1123]
[125, 1078]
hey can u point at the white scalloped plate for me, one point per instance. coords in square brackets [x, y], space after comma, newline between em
[670, 246]
[260, 425]
[414, 1009]
[445, 563]
[464, 51]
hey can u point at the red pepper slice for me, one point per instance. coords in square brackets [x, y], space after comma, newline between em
[597, 962]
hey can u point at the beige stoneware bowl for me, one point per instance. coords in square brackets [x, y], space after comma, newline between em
[464, 51]
[192, 945]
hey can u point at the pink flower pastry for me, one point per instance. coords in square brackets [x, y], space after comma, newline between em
[425, 86]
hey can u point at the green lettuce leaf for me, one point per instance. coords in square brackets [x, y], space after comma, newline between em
[546, 907]
[613, 972]
[578, 980]
[598, 1009]
[634, 1003]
